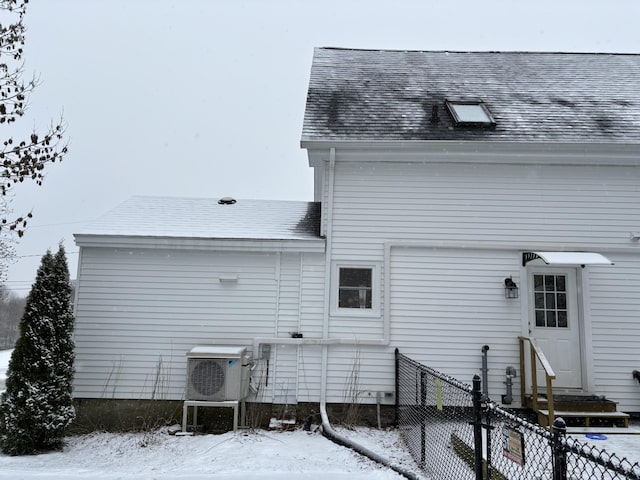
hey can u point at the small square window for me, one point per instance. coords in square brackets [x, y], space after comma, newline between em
[470, 113]
[355, 288]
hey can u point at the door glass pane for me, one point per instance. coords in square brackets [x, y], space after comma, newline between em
[550, 301]
[549, 283]
[551, 318]
[562, 319]
[537, 283]
[562, 301]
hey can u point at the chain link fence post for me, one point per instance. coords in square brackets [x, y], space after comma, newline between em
[558, 451]
[477, 426]
[487, 439]
[397, 412]
[423, 419]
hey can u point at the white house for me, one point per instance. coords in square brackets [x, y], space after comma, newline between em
[438, 176]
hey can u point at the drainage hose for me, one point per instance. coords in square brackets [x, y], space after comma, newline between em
[331, 434]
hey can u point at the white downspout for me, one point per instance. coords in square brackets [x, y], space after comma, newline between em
[327, 278]
[327, 429]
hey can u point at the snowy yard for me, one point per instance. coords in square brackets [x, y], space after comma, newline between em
[232, 456]
[264, 455]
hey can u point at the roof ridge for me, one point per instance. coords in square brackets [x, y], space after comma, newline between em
[523, 52]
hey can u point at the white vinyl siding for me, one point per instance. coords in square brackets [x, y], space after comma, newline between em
[356, 372]
[448, 233]
[580, 206]
[288, 319]
[139, 311]
[615, 317]
[309, 373]
[448, 301]
[285, 374]
[312, 304]
[285, 371]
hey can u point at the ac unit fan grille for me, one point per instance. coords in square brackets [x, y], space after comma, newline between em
[208, 378]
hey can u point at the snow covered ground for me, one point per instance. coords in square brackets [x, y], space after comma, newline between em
[250, 455]
[231, 456]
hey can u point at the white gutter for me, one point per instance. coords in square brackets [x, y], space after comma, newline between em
[628, 150]
[315, 245]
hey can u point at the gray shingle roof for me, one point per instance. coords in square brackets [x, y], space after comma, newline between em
[204, 218]
[364, 95]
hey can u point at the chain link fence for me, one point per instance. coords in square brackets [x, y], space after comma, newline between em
[518, 449]
[454, 433]
[434, 414]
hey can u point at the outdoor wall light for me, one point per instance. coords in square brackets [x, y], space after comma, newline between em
[510, 288]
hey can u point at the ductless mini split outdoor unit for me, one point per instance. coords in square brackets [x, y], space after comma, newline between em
[217, 373]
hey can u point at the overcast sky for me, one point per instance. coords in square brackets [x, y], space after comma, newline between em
[206, 98]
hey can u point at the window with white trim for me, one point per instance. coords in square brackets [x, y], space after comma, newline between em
[355, 288]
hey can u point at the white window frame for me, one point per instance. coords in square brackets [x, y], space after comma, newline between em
[374, 311]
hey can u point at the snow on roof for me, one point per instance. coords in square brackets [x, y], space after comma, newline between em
[378, 95]
[143, 216]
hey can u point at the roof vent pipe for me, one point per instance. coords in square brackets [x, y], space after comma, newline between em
[226, 201]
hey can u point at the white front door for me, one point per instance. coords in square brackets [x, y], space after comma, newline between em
[554, 323]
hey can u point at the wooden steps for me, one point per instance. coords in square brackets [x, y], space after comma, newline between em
[586, 418]
[580, 410]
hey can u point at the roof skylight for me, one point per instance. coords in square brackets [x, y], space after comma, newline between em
[470, 112]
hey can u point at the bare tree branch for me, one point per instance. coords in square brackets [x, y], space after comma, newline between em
[21, 160]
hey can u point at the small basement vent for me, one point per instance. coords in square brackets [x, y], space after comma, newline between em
[217, 373]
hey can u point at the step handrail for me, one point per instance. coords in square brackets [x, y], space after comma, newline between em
[536, 355]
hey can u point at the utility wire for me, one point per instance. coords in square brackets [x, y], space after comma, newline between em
[39, 255]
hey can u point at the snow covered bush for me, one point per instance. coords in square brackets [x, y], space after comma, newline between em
[37, 406]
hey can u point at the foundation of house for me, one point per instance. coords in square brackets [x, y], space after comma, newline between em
[114, 415]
